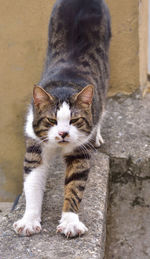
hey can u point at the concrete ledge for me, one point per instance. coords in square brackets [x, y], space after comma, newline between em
[126, 127]
[127, 142]
[48, 244]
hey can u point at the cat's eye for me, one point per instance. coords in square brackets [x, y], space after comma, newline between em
[52, 121]
[74, 120]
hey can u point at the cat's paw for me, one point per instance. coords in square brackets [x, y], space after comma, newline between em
[26, 227]
[70, 225]
[99, 140]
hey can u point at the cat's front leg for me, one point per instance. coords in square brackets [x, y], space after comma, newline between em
[34, 184]
[77, 170]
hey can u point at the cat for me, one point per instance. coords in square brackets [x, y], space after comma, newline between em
[68, 104]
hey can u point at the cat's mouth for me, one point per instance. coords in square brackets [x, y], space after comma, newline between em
[63, 142]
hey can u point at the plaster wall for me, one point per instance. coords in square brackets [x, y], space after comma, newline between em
[23, 41]
[124, 51]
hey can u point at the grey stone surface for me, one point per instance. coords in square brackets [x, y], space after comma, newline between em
[126, 127]
[48, 244]
[127, 142]
[5, 208]
[126, 131]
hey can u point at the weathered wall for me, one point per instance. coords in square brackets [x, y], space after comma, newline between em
[23, 30]
[124, 53]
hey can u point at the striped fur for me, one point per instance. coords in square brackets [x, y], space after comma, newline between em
[67, 109]
[33, 156]
[78, 167]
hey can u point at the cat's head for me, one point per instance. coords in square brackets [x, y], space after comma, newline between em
[63, 123]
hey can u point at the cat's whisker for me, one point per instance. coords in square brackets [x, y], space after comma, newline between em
[84, 150]
[91, 146]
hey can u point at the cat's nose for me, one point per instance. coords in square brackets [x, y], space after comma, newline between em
[63, 134]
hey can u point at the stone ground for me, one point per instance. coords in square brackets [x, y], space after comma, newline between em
[126, 152]
[5, 208]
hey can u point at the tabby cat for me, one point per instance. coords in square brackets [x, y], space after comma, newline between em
[67, 107]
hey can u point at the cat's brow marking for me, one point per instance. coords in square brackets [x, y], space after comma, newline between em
[64, 113]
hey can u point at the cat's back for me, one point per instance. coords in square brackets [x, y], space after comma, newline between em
[76, 25]
[78, 45]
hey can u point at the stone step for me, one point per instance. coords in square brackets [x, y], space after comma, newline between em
[127, 143]
[48, 244]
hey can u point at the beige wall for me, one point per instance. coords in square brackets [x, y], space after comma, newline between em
[23, 41]
[124, 53]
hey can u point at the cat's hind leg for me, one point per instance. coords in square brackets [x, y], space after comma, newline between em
[98, 139]
[34, 185]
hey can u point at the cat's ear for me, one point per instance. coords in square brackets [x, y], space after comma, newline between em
[40, 96]
[86, 95]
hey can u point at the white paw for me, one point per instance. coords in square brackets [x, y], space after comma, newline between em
[70, 225]
[27, 227]
[99, 140]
